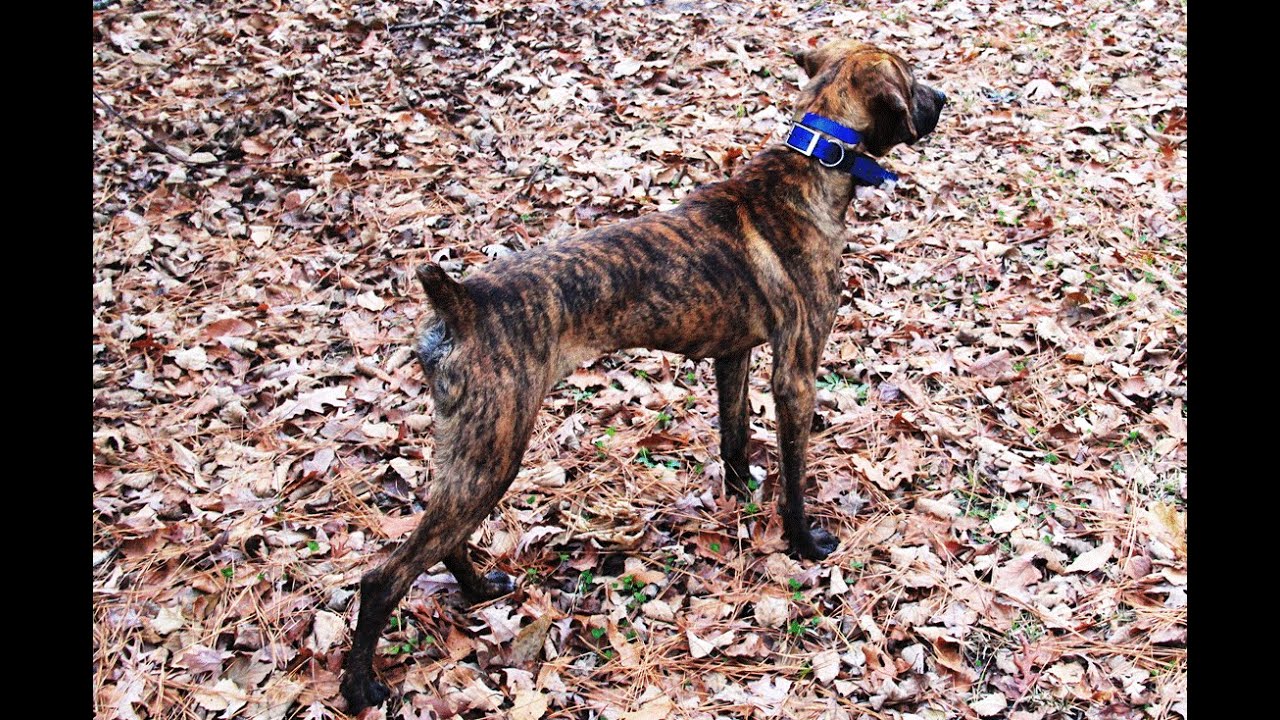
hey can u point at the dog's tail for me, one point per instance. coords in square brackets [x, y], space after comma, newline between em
[448, 297]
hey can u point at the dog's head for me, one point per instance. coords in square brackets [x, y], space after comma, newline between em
[870, 90]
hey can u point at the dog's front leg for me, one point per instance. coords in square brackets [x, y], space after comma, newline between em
[795, 367]
[731, 386]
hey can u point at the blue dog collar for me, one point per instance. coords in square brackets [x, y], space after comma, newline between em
[807, 138]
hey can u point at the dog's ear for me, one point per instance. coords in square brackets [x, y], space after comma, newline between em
[894, 123]
[448, 297]
[808, 60]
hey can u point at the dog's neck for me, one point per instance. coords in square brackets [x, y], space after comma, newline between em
[833, 190]
[822, 191]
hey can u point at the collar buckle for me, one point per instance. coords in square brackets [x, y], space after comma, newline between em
[805, 147]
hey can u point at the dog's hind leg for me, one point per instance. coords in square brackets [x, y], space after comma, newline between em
[476, 588]
[472, 474]
[731, 386]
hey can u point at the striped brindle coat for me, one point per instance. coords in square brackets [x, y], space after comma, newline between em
[752, 259]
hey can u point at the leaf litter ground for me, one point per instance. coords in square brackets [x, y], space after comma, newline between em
[1001, 433]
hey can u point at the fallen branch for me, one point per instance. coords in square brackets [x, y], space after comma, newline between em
[180, 158]
[435, 23]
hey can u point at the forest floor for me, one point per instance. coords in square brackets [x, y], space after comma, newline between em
[1001, 440]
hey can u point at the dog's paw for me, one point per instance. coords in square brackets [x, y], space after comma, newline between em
[497, 584]
[817, 544]
[492, 586]
[362, 692]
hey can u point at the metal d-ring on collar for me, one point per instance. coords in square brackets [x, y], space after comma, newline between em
[824, 162]
[820, 137]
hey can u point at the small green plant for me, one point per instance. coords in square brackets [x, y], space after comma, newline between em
[752, 508]
[644, 458]
[410, 645]
[794, 586]
[633, 587]
[832, 381]
[664, 419]
[228, 572]
[585, 578]
[1051, 458]
[1027, 626]
[597, 632]
[715, 547]
[753, 484]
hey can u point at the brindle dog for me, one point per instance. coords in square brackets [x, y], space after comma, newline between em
[752, 259]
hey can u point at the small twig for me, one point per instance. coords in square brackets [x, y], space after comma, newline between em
[435, 23]
[131, 125]
[186, 160]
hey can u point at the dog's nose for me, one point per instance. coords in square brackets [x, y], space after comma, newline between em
[940, 96]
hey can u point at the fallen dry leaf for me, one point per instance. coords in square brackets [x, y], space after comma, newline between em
[1093, 559]
[989, 705]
